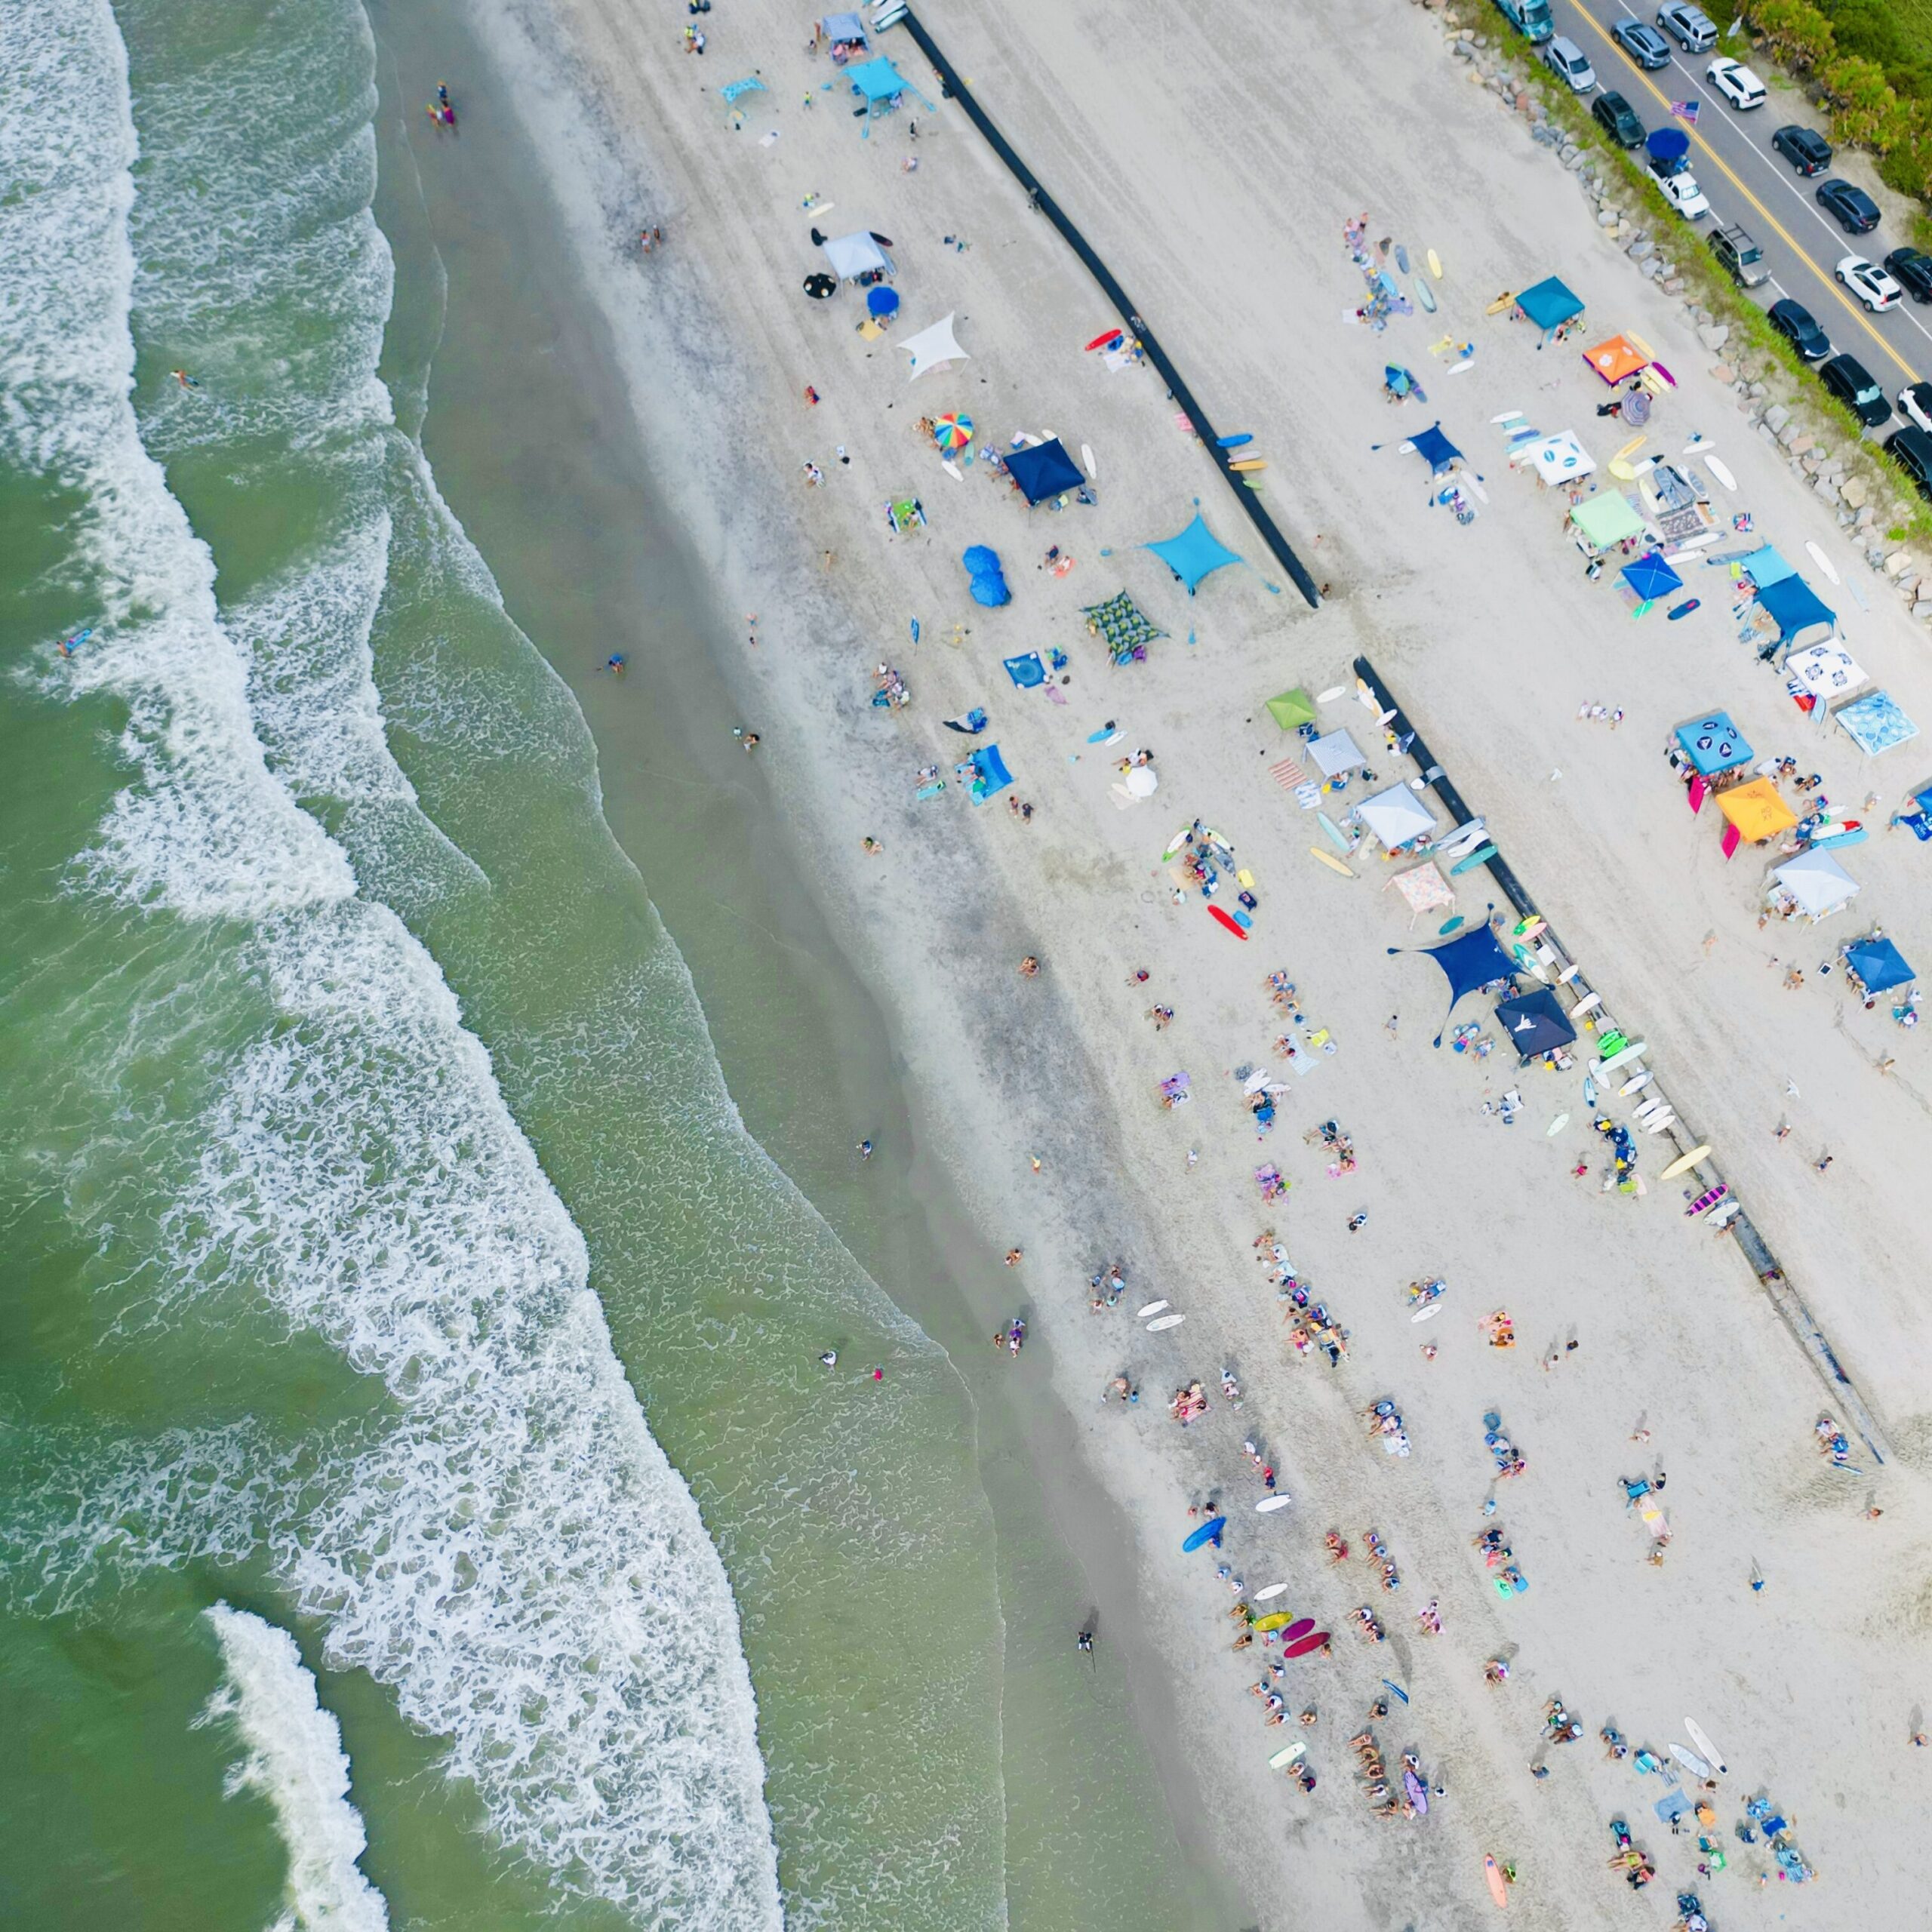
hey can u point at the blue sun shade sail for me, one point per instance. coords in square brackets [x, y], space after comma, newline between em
[1436, 450]
[1470, 960]
[1550, 304]
[989, 773]
[1879, 964]
[1195, 553]
[1797, 609]
[731, 90]
[1766, 566]
[1649, 577]
[1713, 743]
[1875, 723]
[1043, 470]
[1535, 1022]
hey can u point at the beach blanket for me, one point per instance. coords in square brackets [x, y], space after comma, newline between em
[1026, 671]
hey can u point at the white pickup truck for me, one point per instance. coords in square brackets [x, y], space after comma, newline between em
[1680, 188]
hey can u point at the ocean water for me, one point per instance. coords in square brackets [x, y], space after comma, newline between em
[420, 1503]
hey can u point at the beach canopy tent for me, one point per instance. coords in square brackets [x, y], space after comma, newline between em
[1470, 960]
[1757, 810]
[1535, 1022]
[1043, 470]
[1827, 671]
[1875, 723]
[1549, 304]
[1424, 889]
[935, 348]
[1797, 610]
[988, 580]
[879, 84]
[1195, 553]
[1815, 882]
[1396, 816]
[989, 773]
[1127, 630]
[1333, 753]
[1766, 566]
[1292, 709]
[1435, 449]
[852, 256]
[1558, 459]
[1607, 519]
[845, 30]
[1879, 964]
[1617, 360]
[1650, 577]
[1713, 743]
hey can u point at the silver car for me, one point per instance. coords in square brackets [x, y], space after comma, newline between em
[1565, 58]
[1690, 26]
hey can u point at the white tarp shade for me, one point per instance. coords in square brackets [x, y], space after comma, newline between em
[1561, 458]
[1396, 816]
[1335, 753]
[1826, 671]
[932, 348]
[854, 255]
[1816, 882]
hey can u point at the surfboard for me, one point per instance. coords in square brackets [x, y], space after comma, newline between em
[1175, 843]
[1272, 1591]
[1683, 610]
[1823, 562]
[1492, 1873]
[1719, 471]
[1333, 831]
[1215, 912]
[1245, 463]
[1329, 860]
[1425, 294]
[1501, 302]
[1509, 416]
[1152, 1308]
[1691, 1762]
[1100, 341]
[1435, 264]
[1278, 1619]
[1460, 838]
[1427, 1314]
[1298, 1629]
[1618, 1060]
[1331, 694]
[1287, 1755]
[1630, 449]
[1268, 1502]
[1307, 1645]
[1205, 1533]
[1480, 856]
[1685, 1161]
[1695, 1733]
[1589, 1091]
[931, 791]
[1637, 1082]
[1092, 468]
[1233, 442]
[1402, 256]
[1165, 1321]
[1474, 483]
[1556, 1127]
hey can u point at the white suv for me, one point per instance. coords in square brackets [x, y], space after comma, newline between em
[1565, 58]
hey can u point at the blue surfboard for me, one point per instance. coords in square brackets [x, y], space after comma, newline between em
[1209, 1532]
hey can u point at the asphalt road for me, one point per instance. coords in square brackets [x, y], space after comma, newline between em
[1746, 181]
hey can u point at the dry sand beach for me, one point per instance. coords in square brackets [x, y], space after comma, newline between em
[1213, 165]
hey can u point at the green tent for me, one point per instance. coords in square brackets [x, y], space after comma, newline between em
[1607, 519]
[1292, 708]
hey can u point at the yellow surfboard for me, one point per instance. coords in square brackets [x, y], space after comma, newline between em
[1435, 264]
[1684, 1163]
[1501, 302]
[1329, 860]
[1249, 462]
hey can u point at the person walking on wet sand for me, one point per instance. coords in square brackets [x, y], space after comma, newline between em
[1029, 967]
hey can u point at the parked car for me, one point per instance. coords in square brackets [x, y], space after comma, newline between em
[1869, 283]
[1799, 328]
[1915, 404]
[1849, 205]
[1855, 386]
[1912, 271]
[1911, 449]
[1738, 256]
[1619, 120]
[1736, 82]
[1564, 58]
[1807, 150]
[1680, 189]
[1644, 45]
[1690, 26]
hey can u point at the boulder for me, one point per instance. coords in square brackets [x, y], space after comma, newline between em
[1776, 417]
[1607, 218]
[1641, 247]
[1797, 443]
[1897, 564]
[1722, 372]
[1713, 335]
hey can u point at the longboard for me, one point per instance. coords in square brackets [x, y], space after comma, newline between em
[1278, 1619]
[1480, 856]
[1425, 1314]
[1231, 923]
[1268, 1502]
[1287, 1755]
[1425, 294]
[1165, 1321]
[1823, 562]
[1333, 831]
[1245, 463]
[1691, 1762]
[1493, 1873]
[1719, 471]
[1501, 302]
[1307, 1645]
[1205, 1533]
[1298, 1629]
[1152, 1308]
[1695, 1733]
[1093, 468]
[1329, 860]
[1435, 264]
[1618, 1060]
[1233, 442]
[1556, 1127]
[1273, 1591]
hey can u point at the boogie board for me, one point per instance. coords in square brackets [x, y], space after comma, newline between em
[1287, 1755]
[1696, 1730]
[1205, 1533]
[1329, 860]
[1268, 1502]
[1501, 302]
[1165, 1321]
[1683, 610]
[1272, 1590]
[1402, 257]
[1480, 856]
[1306, 1646]
[1493, 1873]
[1232, 925]
[1152, 1308]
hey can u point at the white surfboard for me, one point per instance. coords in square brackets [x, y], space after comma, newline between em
[1152, 1308]
[1268, 1502]
[1556, 1127]
[1823, 562]
[1331, 694]
[1704, 1745]
[1601, 1067]
[1287, 1755]
[1269, 1594]
[1086, 457]
[1509, 416]
[1722, 474]
[1424, 1314]
[1691, 1762]
[1637, 1082]
[1165, 1321]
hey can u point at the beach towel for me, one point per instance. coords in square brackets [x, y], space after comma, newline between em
[1026, 671]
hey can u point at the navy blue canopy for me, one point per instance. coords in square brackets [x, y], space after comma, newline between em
[1535, 1022]
[1435, 449]
[1879, 964]
[1043, 470]
[1470, 960]
[1796, 607]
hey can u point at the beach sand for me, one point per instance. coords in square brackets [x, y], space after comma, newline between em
[1208, 173]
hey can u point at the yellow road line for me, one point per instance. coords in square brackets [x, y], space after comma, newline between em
[1854, 308]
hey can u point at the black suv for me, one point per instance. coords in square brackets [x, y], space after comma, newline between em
[1619, 120]
[1854, 384]
[1911, 449]
[1912, 271]
[1809, 153]
[1849, 205]
[1799, 328]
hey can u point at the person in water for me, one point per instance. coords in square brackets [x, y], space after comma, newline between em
[1085, 1640]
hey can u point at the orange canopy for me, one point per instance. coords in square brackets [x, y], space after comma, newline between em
[1756, 809]
[1617, 359]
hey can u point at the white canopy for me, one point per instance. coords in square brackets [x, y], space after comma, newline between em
[1334, 754]
[854, 255]
[932, 348]
[1396, 816]
[1827, 671]
[1817, 882]
[1561, 458]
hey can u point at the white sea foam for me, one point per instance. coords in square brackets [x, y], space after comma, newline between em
[514, 1558]
[295, 1761]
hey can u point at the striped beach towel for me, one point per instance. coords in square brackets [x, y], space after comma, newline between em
[1287, 774]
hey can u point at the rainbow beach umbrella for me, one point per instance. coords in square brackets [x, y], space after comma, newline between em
[953, 431]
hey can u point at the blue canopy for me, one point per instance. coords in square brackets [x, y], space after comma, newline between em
[844, 30]
[876, 80]
[1796, 608]
[988, 584]
[1669, 144]
[730, 90]
[1766, 566]
[1043, 470]
[1470, 960]
[1713, 743]
[1550, 304]
[1875, 723]
[1435, 449]
[1195, 553]
[1535, 1022]
[1651, 576]
[1879, 964]
[989, 773]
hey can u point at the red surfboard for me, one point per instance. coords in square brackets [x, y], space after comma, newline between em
[1215, 912]
[1307, 1644]
[1101, 341]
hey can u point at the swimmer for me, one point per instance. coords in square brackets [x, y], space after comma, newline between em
[865, 1150]
[829, 1359]
[1085, 1640]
